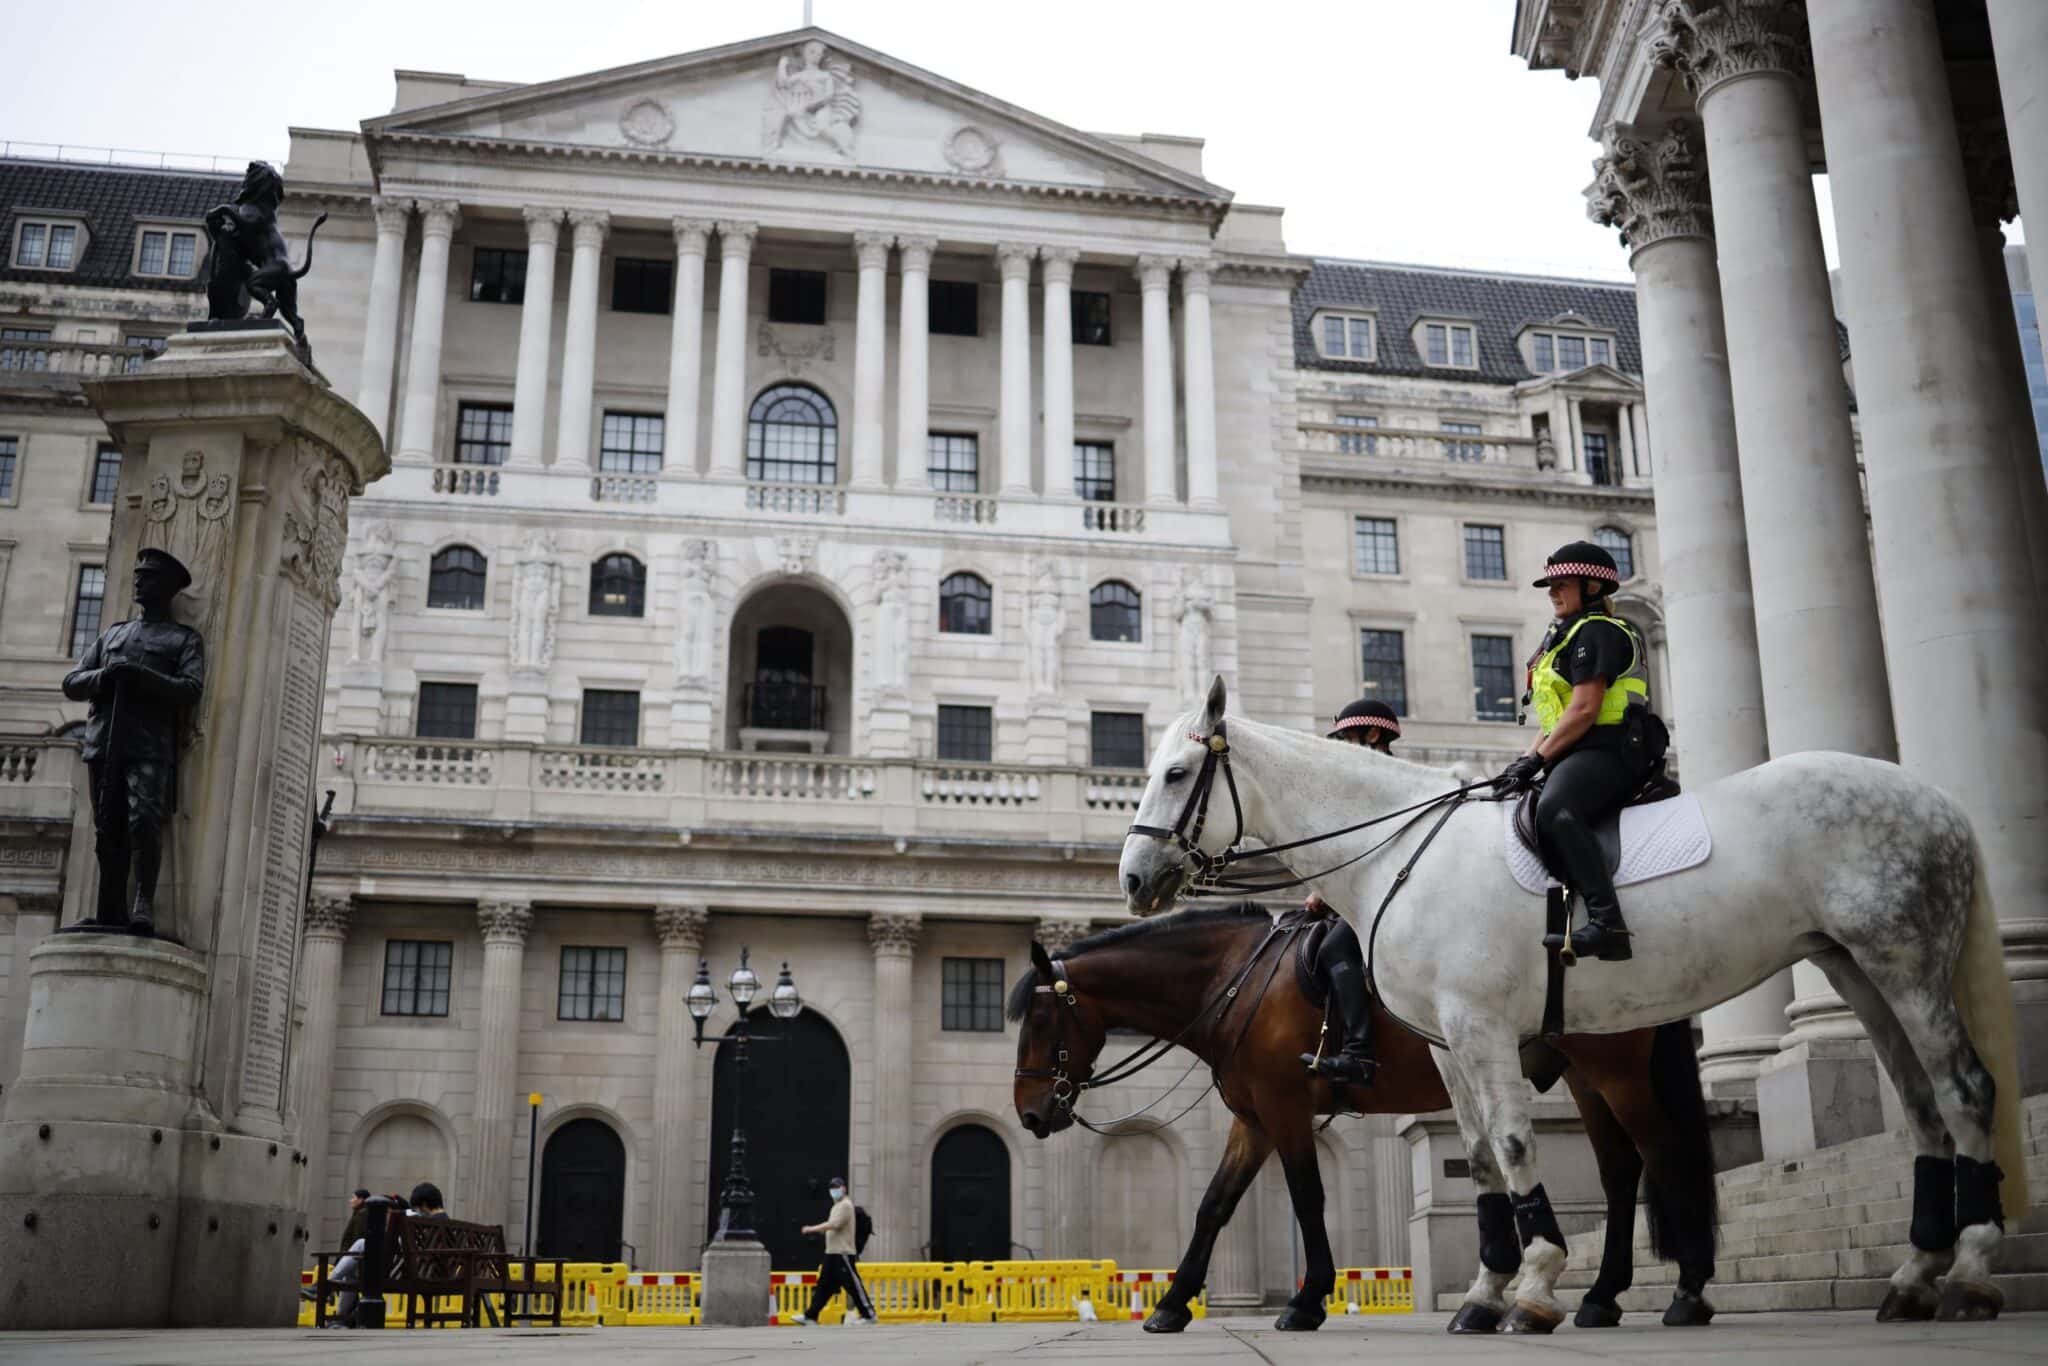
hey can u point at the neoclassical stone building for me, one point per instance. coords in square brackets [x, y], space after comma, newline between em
[816, 485]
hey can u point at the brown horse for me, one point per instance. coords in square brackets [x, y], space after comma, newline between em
[1220, 982]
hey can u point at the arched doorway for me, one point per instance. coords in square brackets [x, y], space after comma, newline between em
[799, 1104]
[970, 1196]
[582, 1193]
[790, 688]
[1138, 1202]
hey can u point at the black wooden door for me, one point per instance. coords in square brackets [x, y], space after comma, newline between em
[970, 1197]
[582, 1193]
[798, 1103]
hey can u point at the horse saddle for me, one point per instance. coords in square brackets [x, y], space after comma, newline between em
[1308, 957]
[1658, 787]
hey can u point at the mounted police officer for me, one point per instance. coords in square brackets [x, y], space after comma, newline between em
[1587, 682]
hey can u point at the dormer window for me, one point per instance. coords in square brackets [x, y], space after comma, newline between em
[1453, 345]
[48, 243]
[1344, 336]
[166, 253]
[1557, 352]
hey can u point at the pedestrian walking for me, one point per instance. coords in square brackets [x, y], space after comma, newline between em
[841, 1268]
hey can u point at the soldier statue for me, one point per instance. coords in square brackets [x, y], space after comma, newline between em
[139, 676]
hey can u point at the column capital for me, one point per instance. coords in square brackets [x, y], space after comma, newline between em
[1057, 264]
[1194, 274]
[590, 226]
[917, 252]
[1057, 934]
[1015, 259]
[1710, 42]
[736, 239]
[681, 926]
[1154, 272]
[871, 249]
[693, 235]
[894, 934]
[392, 215]
[438, 217]
[543, 224]
[504, 922]
[328, 914]
[1650, 188]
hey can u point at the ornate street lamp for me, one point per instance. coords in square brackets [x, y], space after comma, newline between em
[736, 1197]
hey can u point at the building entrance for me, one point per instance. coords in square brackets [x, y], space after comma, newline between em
[970, 1196]
[798, 1103]
[582, 1193]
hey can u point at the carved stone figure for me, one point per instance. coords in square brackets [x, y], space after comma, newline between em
[316, 525]
[892, 621]
[1197, 613]
[796, 553]
[370, 598]
[140, 676]
[699, 612]
[1045, 623]
[247, 258]
[188, 518]
[536, 596]
[813, 98]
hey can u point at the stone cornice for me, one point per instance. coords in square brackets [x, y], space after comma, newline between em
[1709, 42]
[1327, 479]
[1651, 188]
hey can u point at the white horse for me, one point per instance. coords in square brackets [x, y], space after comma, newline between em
[1851, 863]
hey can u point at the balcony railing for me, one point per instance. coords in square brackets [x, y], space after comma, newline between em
[479, 481]
[785, 706]
[1378, 447]
[964, 509]
[622, 488]
[810, 500]
[1123, 517]
[80, 360]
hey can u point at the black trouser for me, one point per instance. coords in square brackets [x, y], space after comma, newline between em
[129, 811]
[840, 1271]
[1582, 787]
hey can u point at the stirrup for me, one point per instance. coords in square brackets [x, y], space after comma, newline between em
[1338, 1066]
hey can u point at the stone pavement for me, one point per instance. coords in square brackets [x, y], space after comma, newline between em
[1810, 1339]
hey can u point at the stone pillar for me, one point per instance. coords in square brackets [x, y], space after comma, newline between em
[1069, 1156]
[1939, 445]
[34, 917]
[1015, 400]
[685, 349]
[1056, 269]
[913, 361]
[380, 326]
[729, 378]
[2019, 41]
[504, 925]
[1155, 277]
[326, 935]
[892, 1163]
[579, 340]
[1234, 1280]
[870, 341]
[679, 1148]
[438, 218]
[1654, 190]
[1198, 356]
[536, 339]
[1625, 443]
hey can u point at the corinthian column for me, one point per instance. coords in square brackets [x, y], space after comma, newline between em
[1198, 356]
[536, 337]
[894, 1166]
[1155, 277]
[870, 338]
[504, 925]
[1015, 400]
[1069, 1155]
[685, 349]
[679, 1149]
[429, 310]
[1654, 190]
[579, 340]
[326, 935]
[729, 379]
[1057, 270]
[380, 327]
[913, 361]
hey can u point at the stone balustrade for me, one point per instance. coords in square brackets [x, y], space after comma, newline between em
[37, 777]
[622, 488]
[964, 509]
[1123, 517]
[472, 480]
[979, 786]
[79, 360]
[814, 500]
[1400, 445]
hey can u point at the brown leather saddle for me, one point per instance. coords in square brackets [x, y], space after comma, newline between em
[1658, 786]
[1308, 957]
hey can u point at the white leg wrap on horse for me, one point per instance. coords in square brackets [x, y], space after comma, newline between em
[1490, 1289]
[1542, 1263]
[1976, 1246]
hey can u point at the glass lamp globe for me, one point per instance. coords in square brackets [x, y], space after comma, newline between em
[702, 997]
[783, 1002]
[744, 983]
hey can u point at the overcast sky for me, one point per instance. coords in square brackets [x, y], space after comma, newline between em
[1388, 129]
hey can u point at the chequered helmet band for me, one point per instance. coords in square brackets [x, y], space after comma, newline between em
[1582, 571]
[1350, 722]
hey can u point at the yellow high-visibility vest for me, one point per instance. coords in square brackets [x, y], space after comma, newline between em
[1550, 690]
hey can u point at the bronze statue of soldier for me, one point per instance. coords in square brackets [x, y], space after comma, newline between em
[139, 676]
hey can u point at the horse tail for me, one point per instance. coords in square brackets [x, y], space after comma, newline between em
[1684, 1213]
[300, 273]
[1983, 994]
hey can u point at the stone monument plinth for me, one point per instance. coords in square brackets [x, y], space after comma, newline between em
[736, 1284]
[150, 1165]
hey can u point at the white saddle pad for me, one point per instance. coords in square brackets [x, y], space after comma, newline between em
[1656, 838]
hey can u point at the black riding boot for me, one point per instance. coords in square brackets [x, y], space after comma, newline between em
[1353, 1063]
[149, 852]
[1604, 936]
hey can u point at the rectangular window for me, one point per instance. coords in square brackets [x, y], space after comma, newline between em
[14, 356]
[1437, 339]
[953, 462]
[416, 975]
[165, 253]
[640, 286]
[593, 985]
[1461, 346]
[1090, 312]
[971, 994]
[796, 296]
[1598, 464]
[154, 345]
[497, 275]
[1464, 450]
[1600, 352]
[156, 250]
[447, 711]
[10, 456]
[1571, 353]
[47, 246]
[184, 250]
[1385, 670]
[1116, 739]
[954, 308]
[63, 248]
[1546, 357]
[610, 717]
[630, 443]
[1095, 471]
[1358, 442]
[1375, 545]
[85, 608]
[24, 334]
[1486, 553]
[106, 473]
[966, 733]
[483, 433]
[30, 244]
[1493, 678]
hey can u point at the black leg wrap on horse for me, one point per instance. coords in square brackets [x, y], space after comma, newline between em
[1934, 1204]
[1499, 1252]
[1534, 1219]
[1976, 1193]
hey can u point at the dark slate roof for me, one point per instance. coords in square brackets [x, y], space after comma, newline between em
[1500, 305]
[109, 199]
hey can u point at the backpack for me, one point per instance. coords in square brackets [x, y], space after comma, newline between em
[863, 1229]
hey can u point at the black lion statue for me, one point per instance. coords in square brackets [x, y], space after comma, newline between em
[248, 259]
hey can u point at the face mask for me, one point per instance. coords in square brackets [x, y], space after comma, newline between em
[838, 1192]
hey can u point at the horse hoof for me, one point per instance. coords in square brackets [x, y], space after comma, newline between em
[1530, 1317]
[1166, 1320]
[1688, 1311]
[1967, 1301]
[1916, 1305]
[1597, 1314]
[1474, 1317]
[1294, 1319]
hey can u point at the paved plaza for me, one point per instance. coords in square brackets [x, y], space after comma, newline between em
[1810, 1339]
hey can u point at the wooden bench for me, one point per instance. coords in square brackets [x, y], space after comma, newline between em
[431, 1260]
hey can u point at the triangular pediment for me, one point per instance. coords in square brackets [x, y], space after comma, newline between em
[805, 98]
[1599, 375]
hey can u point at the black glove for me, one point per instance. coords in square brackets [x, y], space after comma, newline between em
[1519, 774]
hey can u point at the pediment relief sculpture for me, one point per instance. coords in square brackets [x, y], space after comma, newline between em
[812, 101]
[647, 123]
[971, 151]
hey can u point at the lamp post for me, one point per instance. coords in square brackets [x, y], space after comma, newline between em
[736, 1197]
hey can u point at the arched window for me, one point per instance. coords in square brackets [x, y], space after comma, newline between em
[455, 578]
[618, 587]
[1621, 546]
[1115, 612]
[964, 605]
[793, 437]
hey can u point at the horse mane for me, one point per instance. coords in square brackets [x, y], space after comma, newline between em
[1194, 918]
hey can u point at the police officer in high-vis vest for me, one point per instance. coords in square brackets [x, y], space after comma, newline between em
[1587, 684]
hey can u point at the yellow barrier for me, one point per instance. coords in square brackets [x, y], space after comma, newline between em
[1031, 1292]
[591, 1296]
[651, 1299]
[790, 1295]
[1373, 1290]
[1137, 1294]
